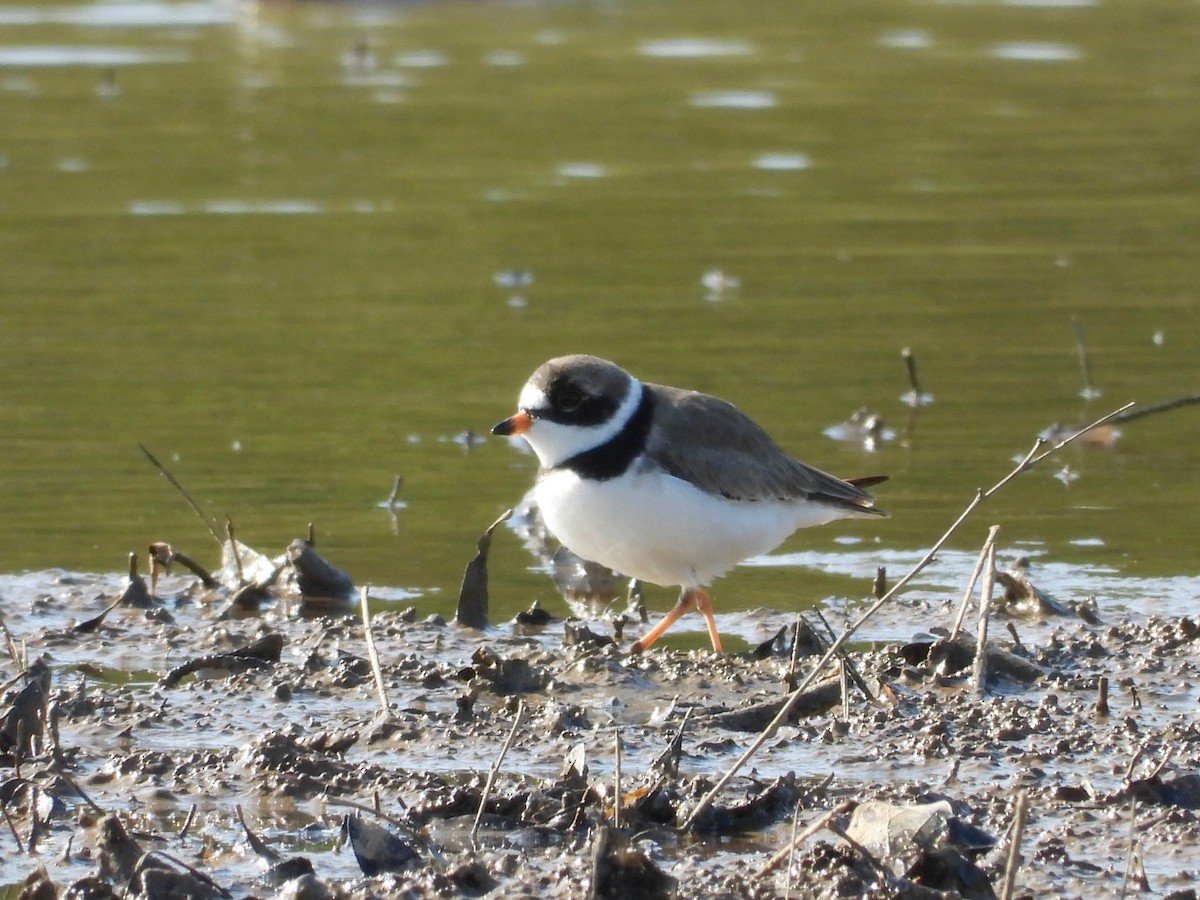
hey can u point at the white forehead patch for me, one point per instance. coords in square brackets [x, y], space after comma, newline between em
[532, 397]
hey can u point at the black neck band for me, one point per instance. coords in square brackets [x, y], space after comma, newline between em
[613, 457]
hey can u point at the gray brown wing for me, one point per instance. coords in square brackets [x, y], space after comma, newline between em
[722, 450]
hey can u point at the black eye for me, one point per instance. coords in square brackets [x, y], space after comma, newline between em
[569, 399]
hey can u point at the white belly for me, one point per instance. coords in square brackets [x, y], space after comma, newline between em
[658, 528]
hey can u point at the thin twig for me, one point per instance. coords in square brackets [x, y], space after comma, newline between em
[495, 770]
[191, 817]
[809, 830]
[233, 548]
[1014, 845]
[791, 852]
[979, 670]
[187, 498]
[373, 655]
[617, 777]
[1028, 461]
[966, 600]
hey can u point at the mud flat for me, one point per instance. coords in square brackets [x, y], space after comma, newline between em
[171, 748]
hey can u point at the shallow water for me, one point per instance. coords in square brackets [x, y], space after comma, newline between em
[276, 244]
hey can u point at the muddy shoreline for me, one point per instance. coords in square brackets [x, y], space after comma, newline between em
[131, 747]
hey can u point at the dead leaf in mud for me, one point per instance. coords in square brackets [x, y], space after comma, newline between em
[472, 610]
[315, 576]
[377, 850]
[619, 873]
[945, 869]
[943, 656]
[1024, 598]
[577, 634]
[1182, 792]
[766, 808]
[260, 654]
[889, 830]
[506, 676]
[23, 724]
[757, 716]
[135, 593]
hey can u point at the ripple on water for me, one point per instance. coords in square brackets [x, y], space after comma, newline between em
[122, 15]
[695, 48]
[582, 170]
[421, 59]
[906, 39]
[782, 162]
[1034, 51]
[49, 55]
[734, 100]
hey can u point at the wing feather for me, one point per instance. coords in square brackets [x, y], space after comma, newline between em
[722, 450]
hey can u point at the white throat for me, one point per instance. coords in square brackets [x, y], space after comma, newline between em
[555, 443]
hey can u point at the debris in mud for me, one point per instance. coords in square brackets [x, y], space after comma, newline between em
[472, 609]
[287, 730]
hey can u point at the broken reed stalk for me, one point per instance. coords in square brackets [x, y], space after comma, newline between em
[1031, 459]
[233, 549]
[979, 669]
[495, 770]
[373, 654]
[809, 830]
[187, 498]
[617, 777]
[966, 600]
[191, 817]
[910, 367]
[1135, 869]
[1015, 834]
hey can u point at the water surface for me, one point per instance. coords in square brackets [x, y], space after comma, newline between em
[265, 240]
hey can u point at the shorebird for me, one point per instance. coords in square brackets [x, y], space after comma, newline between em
[662, 484]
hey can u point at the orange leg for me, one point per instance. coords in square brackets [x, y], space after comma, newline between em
[704, 604]
[689, 598]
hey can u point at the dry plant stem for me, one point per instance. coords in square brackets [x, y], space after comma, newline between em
[233, 548]
[73, 785]
[617, 777]
[787, 882]
[373, 654]
[395, 491]
[191, 817]
[1030, 459]
[966, 600]
[1014, 846]
[1133, 846]
[187, 498]
[495, 770]
[809, 830]
[979, 670]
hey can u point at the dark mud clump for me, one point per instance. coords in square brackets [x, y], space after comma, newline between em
[163, 750]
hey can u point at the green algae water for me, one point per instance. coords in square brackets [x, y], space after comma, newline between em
[299, 249]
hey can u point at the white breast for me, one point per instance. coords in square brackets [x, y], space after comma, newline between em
[653, 526]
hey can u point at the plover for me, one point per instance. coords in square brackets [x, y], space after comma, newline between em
[663, 484]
